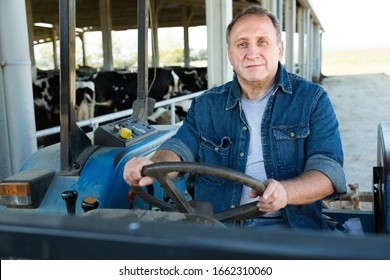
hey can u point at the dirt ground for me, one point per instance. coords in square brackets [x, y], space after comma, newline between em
[361, 103]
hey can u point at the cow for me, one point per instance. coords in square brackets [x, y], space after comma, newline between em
[103, 93]
[113, 91]
[85, 100]
[118, 90]
[46, 91]
[191, 79]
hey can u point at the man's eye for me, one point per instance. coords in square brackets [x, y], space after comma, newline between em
[242, 44]
[263, 42]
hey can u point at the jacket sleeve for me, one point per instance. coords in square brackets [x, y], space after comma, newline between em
[324, 146]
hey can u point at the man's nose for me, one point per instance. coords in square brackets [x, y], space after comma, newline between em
[253, 52]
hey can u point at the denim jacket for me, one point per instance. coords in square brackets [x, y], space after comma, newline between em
[299, 133]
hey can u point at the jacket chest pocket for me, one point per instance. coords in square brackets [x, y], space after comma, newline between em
[289, 143]
[214, 151]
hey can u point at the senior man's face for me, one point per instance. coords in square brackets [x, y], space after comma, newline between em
[254, 49]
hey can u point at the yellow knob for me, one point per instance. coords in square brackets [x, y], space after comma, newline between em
[126, 133]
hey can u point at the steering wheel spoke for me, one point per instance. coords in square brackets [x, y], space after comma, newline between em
[178, 199]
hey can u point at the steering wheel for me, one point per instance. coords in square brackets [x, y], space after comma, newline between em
[160, 170]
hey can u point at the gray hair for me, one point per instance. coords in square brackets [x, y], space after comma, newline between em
[254, 10]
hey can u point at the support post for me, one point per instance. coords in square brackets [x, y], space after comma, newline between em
[73, 139]
[290, 20]
[18, 133]
[218, 15]
[105, 23]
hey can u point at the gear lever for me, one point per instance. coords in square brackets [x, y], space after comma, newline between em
[70, 198]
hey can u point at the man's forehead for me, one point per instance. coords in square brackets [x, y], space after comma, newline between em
[248, 24]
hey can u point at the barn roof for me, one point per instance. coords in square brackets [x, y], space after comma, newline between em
[171, 13]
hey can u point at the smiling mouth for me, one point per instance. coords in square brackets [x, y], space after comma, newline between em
[254, 66]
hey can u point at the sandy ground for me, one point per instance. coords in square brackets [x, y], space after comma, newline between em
[361, 103]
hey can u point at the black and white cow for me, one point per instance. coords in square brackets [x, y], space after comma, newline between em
[109, 91]
[112, 93]
[119, 90]
[46, 92]
[191, 79]
[85, 100]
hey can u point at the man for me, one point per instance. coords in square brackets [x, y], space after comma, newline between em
[268, 123]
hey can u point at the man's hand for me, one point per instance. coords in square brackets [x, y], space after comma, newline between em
[133, 168]
[307, 188]
[133, 175]
[274, 197]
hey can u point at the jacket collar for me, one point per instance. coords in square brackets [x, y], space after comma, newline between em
[283, 83]
[283, 80]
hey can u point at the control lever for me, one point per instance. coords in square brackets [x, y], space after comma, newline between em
[70, 198]
[90, 203]
[131, 195]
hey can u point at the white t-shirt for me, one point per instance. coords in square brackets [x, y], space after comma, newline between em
[254, 110]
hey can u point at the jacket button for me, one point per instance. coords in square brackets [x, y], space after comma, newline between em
[245, 127]
[241, 154]
[232, 206]
[216, 149]
[292, 134]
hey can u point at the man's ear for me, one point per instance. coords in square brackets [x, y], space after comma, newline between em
[229, 55]
[281, 49]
